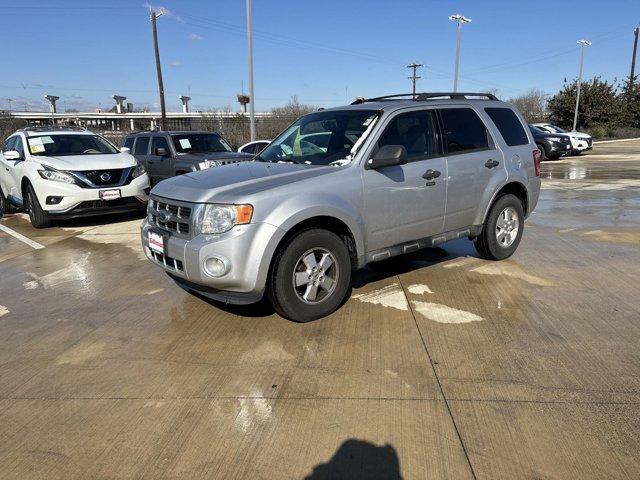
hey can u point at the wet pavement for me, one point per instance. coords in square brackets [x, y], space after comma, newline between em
[440, 365]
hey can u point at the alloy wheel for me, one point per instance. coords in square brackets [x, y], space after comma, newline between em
[315, 275]
[507, 227]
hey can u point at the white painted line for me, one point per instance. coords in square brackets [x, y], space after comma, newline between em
[21, 237]
[618, 140]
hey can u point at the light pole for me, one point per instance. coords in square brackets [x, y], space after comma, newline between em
[153, 16]
[460, 20]
[252, 100]
[582, 43]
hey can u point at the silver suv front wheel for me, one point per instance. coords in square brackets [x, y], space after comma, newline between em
[310, 275]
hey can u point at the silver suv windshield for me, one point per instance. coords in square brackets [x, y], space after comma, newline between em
[321, 138]
[61, 145]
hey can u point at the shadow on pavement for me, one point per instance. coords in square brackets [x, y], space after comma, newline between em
[359, 459]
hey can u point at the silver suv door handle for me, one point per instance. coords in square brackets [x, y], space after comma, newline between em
[491, 163]
[431, 174]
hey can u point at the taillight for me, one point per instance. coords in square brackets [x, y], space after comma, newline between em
[536, 161]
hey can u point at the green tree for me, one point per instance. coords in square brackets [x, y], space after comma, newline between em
[599, 104]
[630, 102]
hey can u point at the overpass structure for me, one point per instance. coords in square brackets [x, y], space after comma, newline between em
[128, 120]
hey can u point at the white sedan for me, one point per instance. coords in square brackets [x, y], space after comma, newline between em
[254, 147]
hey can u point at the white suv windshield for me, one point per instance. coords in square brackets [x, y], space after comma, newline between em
[59, 145]
[320, 138]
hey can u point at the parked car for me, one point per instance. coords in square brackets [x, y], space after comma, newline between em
[254, 147]
[62, 173]
[580, 141]
[397, 175]
[167, 154]
[551, 145]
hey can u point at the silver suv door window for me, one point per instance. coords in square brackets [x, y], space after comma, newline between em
[416, 131]
[463, 130]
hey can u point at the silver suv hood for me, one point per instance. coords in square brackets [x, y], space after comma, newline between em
[233, 183]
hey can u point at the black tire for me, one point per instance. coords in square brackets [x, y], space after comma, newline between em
[38, 218]
[487, 243]
[283, 295]
[543, 152]
[3, 203]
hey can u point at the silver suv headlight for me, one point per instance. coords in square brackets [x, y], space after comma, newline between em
[139, 170]
[56, 176]
[217, 218]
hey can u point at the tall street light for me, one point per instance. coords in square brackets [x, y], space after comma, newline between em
[582, 43]
[460, 20]
[252, 118]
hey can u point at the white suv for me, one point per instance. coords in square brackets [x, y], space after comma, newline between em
[62, 173]
[580, 141]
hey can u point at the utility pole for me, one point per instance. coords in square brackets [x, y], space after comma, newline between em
[252, 100]
[460, 20]
[636, 31]
[413, 76]
[582, 43]
[154, 16]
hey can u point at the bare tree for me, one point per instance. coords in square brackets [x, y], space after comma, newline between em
[533, 105]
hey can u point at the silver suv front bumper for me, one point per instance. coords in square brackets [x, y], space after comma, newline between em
[246, 250]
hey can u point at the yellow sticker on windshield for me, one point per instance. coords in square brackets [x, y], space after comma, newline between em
[36, 145]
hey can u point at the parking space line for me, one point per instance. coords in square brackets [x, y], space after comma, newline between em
[21, 237]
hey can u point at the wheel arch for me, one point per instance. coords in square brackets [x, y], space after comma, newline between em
[515, 188]
[325, 222]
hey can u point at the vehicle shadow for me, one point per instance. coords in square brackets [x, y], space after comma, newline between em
[359, 459]
[371, 273]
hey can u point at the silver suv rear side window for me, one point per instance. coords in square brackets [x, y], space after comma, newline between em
[463, 130]
[509, 125]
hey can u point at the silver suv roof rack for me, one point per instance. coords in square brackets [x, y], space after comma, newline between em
[420, 97]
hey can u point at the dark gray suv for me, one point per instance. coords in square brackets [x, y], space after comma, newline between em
[167, 154]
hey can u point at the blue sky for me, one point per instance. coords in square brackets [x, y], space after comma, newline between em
[325, 52]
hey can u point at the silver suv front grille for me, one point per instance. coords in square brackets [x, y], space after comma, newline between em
[171, 215]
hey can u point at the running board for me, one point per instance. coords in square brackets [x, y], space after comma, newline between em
[426, 242]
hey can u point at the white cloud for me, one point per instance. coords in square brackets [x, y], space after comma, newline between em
[195, 37]
[175, 63]
[165, 11]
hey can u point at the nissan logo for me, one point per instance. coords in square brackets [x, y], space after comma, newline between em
[164, 216]
[105, 177]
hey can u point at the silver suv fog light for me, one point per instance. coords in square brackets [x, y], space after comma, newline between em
[215, 267]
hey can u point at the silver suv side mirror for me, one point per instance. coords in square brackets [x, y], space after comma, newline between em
[387, 156]
[12, 155]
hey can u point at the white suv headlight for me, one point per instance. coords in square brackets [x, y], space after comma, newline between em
[215, 218]
[139, 170]
[55, 175]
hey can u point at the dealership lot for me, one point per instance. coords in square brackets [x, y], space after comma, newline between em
[440, 365]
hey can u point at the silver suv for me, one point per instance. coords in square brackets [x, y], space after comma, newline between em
[344, 187]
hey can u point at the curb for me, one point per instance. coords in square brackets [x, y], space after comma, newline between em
[618, 140]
